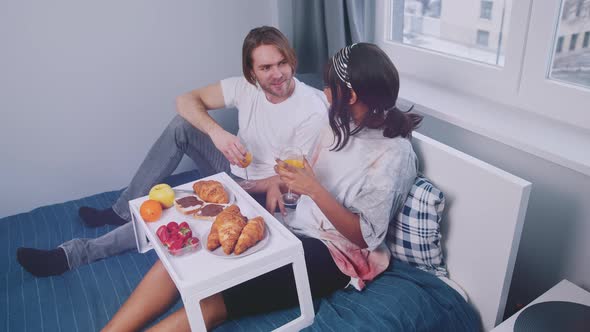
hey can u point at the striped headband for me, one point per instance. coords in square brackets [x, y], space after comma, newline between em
[340, 61]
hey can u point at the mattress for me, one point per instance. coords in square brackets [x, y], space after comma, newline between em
[403, 298]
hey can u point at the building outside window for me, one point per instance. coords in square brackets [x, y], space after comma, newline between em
[579, 7]
[483, 37]
[573, 66]
[486, 9]
[432, 43]
[449, 27]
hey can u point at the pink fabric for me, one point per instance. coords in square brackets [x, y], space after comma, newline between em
[353, 261]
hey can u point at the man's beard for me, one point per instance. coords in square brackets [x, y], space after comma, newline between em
[287, 84]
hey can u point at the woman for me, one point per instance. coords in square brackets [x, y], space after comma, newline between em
[363, 168]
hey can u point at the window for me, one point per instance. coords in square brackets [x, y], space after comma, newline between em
[573, 67]
[486, 9]
[527, 64]
[423, 24]
[482, 37]
[573, 41]
[559, 45]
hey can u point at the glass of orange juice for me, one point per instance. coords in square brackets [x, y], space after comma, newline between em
[244, 163]
[293, 156]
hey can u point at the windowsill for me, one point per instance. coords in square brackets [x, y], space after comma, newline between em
[526, 131]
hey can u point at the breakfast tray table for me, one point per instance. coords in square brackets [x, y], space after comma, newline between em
[200, 274]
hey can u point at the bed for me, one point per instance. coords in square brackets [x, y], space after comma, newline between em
[481, 233]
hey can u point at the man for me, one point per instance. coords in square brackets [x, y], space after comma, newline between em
[275, 110]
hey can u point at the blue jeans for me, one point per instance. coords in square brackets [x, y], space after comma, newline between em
[179, 138]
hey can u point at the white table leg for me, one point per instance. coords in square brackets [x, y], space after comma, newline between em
[140, 238]
[192, 306]
[303, 288]
[304, 295]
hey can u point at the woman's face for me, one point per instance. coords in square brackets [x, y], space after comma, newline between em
[328, 93]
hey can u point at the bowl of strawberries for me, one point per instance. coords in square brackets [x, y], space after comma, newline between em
[178, 238]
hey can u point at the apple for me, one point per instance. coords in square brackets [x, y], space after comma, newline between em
[162, 193]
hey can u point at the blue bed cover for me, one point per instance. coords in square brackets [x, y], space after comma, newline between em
[402, 299]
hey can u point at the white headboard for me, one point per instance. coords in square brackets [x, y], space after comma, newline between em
[484, 213]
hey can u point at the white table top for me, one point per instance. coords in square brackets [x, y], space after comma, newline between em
[201, 269]
[563, 291]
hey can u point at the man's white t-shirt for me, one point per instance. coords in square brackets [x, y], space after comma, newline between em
[266, 128]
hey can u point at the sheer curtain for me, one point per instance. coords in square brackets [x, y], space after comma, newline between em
[322, 27]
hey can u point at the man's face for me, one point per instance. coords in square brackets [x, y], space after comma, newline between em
[273, 73]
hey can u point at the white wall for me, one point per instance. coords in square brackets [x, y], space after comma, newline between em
[554, 243]
[87, 86]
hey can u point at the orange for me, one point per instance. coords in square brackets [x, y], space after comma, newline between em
[246, 161]
[150, 210]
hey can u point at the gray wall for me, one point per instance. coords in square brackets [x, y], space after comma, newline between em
[87, 86]
[554, 243]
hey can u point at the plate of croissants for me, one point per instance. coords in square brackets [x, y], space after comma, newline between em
[232, 235]
[210, 197]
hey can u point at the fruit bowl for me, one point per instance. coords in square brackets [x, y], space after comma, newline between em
[188, 248]
[178, 239]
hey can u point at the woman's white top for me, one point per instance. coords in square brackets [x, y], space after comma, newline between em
[371, 177]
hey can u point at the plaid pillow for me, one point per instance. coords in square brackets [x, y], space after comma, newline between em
[416, 229]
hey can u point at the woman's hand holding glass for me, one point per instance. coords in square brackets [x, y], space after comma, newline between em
[292, 156]
[301, 180]
[274, 198]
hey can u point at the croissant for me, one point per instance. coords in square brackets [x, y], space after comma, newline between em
[227, 222]
[213, 238]
[211, 191]
[251, 234]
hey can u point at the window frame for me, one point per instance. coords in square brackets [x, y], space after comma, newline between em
[523, 82]
[539, 93]
[453, 72]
